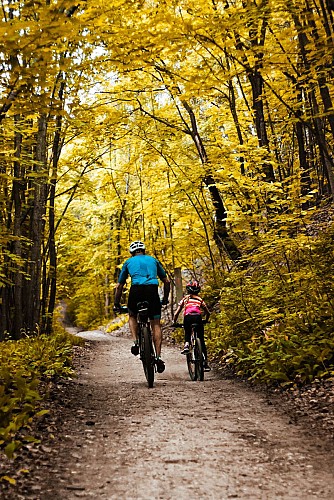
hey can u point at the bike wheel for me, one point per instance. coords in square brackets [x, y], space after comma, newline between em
[148, 356]
[191, 364]
[199, 368]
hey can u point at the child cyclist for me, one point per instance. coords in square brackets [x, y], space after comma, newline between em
[193, 306]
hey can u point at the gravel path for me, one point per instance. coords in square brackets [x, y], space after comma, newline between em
[113, 438]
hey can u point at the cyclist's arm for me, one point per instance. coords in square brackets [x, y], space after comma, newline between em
[166, 283]
[163, 277]
[206, 310]
[118, 293]
[177, 312]
[121, 282]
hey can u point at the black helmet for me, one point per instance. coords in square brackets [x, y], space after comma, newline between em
[136, 245]
[193, 287]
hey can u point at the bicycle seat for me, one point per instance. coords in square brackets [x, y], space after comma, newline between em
[142, 306]
[143, 310]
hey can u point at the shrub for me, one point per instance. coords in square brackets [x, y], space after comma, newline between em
[276, 318]
[23, 365]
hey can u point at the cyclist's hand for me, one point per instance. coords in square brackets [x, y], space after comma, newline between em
[164, 302]
[118, 309]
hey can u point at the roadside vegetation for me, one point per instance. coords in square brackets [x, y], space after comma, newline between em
[26, 367]
[276, 319]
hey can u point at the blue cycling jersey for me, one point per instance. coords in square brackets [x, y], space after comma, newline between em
[143, 270]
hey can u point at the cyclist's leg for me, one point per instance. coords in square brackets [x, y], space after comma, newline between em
[200, 333]
[157, 339]
[133, 325]
[204, 350]
[157, 335]
[188, 320]
[152, 296]
[155, 315]
[201, 336]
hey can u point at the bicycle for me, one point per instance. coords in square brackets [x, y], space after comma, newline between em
[146, 346]
[195, 356]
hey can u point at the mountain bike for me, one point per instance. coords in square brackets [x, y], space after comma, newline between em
[146, 346]
[195, 357]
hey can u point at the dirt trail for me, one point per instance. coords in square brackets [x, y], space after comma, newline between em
[215, 439]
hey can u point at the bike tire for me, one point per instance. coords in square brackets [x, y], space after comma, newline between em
[199, 365]
[191, 365]
[148, 356]
[191, 362]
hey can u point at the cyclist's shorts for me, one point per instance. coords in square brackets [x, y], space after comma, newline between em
[190, 319]
[139, 293]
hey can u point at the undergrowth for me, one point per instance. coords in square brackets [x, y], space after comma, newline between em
[24, 365]
[276, 319]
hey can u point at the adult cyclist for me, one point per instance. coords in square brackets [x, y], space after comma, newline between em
[144, 271]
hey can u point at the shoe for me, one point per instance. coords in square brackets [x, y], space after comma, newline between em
[160, 365]
[135, 349]
[185, 349]
[206, 367]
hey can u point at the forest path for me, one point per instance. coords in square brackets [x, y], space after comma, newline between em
[217, 439]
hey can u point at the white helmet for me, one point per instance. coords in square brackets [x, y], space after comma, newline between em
[136, 245]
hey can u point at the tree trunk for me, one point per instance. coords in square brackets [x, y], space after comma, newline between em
[52, 278]
[37, 230]
[257, 34]
[221, 235]
[317, 130]
[18, 321]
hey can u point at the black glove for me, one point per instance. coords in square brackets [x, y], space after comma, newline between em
[117, 307]
[164, 302]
